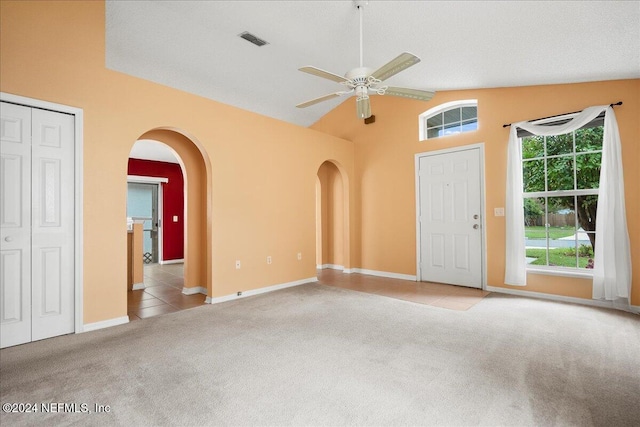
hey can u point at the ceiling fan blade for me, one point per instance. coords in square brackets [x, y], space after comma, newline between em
[317, 100]
[422, 95]
[393, 67]
[324, 74]
[363, 107]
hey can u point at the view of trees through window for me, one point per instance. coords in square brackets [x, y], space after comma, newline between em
[561, 180]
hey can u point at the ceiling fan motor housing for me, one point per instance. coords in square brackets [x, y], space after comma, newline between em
[359, 75]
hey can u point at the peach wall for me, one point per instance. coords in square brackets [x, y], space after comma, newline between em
[261, 178]
[385, 175]
[262, 175]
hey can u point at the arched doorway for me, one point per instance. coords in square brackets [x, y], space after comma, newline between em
[155, 198]
[332, 217]
[196, 171]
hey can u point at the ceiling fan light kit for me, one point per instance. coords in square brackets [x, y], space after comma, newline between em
[363, 81]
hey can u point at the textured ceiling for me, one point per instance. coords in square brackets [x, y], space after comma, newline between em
[194, 46]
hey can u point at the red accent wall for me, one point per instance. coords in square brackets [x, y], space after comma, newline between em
[173, 203]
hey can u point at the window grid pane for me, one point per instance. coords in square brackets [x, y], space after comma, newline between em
[469, 113]
[434, 132]
[435, 120]
[452, 116]
[469, 125]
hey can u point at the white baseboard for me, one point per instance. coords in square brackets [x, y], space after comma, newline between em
[387, 274]
[560, 298]
[172, 261]
[138, 286]
[88, 327]
[249, 293]
[331, 266]
[194, 290]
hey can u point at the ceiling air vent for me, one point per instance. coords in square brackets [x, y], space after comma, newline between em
[253, 39]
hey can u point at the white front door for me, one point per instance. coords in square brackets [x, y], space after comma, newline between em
[37, 224]
[450, 209]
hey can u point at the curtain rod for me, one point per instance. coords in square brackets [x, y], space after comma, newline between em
[559, 115]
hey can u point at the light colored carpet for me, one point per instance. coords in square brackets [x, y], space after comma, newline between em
[317, 355]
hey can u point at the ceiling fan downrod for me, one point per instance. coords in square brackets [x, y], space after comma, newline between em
[360, 6]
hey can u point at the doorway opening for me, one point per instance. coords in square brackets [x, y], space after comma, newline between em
[144, 205]
[332, 217]
[168, 182]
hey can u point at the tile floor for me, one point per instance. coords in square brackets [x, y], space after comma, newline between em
[434, 294]
[163, 293]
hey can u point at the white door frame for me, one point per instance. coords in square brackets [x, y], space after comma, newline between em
[78, 184]
[140, 179]
[480, 147]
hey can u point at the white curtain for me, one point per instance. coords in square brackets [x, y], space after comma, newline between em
[612, 257]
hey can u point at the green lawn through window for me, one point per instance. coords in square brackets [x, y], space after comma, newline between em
[538, 232]
[557, 257]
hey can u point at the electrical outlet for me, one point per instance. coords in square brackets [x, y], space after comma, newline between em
[269, 259]
[498, 211]
[239, 293]
[299, 256]
[237, 264]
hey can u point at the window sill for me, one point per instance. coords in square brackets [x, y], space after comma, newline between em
[562, 273]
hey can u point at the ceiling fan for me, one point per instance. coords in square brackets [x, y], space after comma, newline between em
[363, 81]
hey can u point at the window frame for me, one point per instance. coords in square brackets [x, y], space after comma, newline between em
[442, 108]
[546, 194]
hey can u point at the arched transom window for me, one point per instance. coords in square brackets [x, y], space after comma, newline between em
[449, 119]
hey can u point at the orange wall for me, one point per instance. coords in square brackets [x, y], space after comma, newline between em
[385, 172]
[262, 172]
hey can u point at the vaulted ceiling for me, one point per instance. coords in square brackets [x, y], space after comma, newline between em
[195, 46]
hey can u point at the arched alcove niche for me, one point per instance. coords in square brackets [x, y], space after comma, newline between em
[332, 217]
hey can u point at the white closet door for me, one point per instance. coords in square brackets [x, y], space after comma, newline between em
[52, 257]
[15, 225]
[37, 191]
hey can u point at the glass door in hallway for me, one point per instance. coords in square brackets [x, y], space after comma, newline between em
[143, 205]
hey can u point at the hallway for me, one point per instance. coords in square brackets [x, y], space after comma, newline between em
[162, 293]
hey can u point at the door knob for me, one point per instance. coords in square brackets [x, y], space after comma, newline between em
[8, 239]
[476, 226]
[476, 216]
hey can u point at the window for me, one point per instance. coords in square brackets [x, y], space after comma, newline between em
[448, 119]
[561, 177]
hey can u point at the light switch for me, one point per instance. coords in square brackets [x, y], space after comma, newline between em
[175, 218]
[498, 211]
